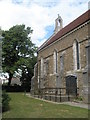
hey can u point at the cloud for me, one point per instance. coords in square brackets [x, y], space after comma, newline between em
[39, 15]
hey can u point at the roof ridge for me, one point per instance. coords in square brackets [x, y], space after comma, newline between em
[72, 25]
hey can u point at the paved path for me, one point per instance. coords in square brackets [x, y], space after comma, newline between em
[77, 104]
[82, 105]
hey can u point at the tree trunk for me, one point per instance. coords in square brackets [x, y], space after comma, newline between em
[10, 77]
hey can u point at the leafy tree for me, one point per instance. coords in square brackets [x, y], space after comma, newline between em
[27, 74]
[18, 49]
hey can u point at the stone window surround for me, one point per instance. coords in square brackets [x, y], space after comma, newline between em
[62, 60]
[55, 61]
[42, 67]
[75, 56]
[45, 66]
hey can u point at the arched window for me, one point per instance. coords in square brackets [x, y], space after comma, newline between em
[41, 67]
[76, 53]
[61, 62]
[46, 66]
[42, 73]
[55, 61]
[77, 50]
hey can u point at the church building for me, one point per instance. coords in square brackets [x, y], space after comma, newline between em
[62, 59]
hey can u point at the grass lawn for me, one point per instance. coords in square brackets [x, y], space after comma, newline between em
[22, 106]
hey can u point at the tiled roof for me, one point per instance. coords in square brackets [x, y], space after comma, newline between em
[74, 24]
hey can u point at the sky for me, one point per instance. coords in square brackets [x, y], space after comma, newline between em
[40, 15]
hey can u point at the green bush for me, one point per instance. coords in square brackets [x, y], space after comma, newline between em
[80, 98]
[5, 101]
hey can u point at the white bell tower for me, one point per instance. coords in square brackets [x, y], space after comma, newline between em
[58, 24]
